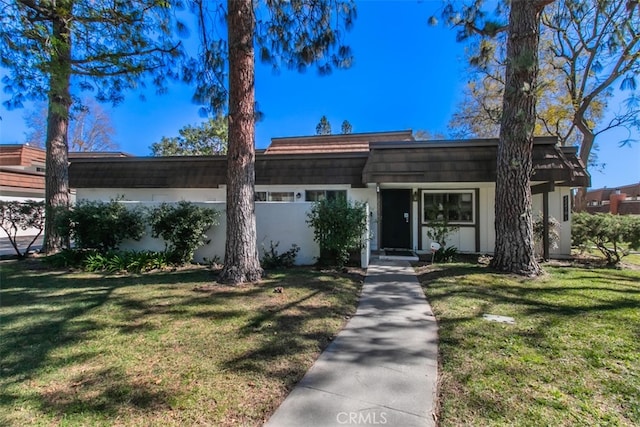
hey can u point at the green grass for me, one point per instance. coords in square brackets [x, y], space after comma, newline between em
[159, 349]
[571, 358]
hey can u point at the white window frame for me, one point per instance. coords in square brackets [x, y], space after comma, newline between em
[342, 191]
[426, 221]
[268, 196]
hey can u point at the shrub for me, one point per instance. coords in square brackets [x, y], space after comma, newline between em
[272, 259]
[438, 231]
[101, 225]
[127, 261]
[338, 227]
[111, 261]
[15, 216]
[445, 255]
[69, 258]
[613, 235]
[182, 226]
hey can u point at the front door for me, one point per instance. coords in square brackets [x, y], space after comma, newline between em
[396, 220]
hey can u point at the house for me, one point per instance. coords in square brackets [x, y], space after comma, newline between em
[21, 172]
[624, 200]
[406, 184]
[21, 177]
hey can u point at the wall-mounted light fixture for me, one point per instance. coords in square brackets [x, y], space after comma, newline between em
[298, 195]
[415, 196]
[377, 188]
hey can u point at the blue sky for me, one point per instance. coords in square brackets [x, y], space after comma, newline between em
[406, 75]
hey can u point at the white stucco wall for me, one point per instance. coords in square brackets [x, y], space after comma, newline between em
[275, 222]
[286, 221]
[153, 194]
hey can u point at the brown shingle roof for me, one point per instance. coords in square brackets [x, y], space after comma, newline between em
[353, 142]
[465, 161]
[210, 171]
[400, 161]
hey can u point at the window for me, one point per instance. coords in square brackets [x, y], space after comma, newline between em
[453, 207]
[318, 195]
[274, 196]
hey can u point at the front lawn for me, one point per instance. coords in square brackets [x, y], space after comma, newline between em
[159, 349]
[571, 358]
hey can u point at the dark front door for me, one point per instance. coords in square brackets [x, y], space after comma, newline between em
[396, 220]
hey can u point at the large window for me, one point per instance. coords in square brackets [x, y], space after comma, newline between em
[319, 195]
[455, 207]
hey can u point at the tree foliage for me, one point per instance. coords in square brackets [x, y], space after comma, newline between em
[52, 49]
[346, 127]
[293, 34]
[323, 127]
[16, 216]
[587, 49]
[613, 235]
[206, 139]
[183, 227]
[90, 127]
[338, 227]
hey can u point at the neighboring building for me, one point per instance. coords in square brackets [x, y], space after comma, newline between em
[21, 172]
[624, 200]
[407, 184]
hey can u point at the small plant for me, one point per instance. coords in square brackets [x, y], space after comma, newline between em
[445, 255]
[438, 231]
[213, 262]
[338, 227]
[15, 216]
[101, 225]
[612, 235]
[272, 260]
[69, 258]
[182, 226]
[111, 261]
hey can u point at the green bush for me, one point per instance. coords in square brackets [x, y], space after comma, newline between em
[101, 225]
[272, 259]
[612, 235]
[182, 226]
[445, 255]
[110, 261]
[125, 262]
[338, 227]
[16, 216]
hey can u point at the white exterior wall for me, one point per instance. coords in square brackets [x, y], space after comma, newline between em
[286, 221]
[153, 194]
[278, 222]
[369, 196]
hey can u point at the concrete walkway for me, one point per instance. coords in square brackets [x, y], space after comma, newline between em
[381, 369]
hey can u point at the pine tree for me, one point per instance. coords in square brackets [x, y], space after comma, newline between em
[52, 47]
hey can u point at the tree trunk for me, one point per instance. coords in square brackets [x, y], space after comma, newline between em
[241, 263]
[57, 152]
[514, 250]
[588, 138]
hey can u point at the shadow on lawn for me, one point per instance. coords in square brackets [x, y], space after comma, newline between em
[44, 312]
[285, 329]
[580, 304]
